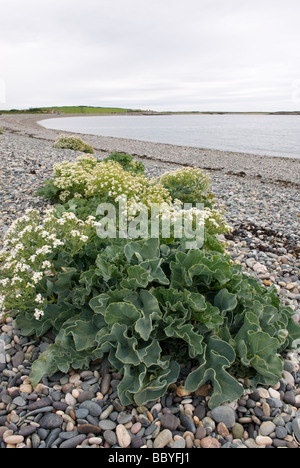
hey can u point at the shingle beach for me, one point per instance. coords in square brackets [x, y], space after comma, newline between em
[81, 409]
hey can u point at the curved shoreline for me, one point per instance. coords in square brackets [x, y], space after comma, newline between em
[268, 168]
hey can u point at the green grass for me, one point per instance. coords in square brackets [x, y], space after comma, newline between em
[70, 110]
[86, 110]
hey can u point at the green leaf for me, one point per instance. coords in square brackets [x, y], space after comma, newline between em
[150, 311]
[131, 382]
[185, 331]
[121, 312]
[83, 333]
[155, 384]
[213, 365]
[225, 301]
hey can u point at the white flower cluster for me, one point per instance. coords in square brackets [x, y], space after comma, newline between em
[29, 245]
[86, 177]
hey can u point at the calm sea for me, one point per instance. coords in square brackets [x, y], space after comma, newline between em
[273, 135]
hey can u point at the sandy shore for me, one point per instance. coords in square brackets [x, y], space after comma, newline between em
[270, 169]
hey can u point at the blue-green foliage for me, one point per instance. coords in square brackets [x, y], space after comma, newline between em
[150, 307]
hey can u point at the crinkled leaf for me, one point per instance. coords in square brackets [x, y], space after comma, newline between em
[150, 311]
[225, 301]
[121, 312]
[213, 365]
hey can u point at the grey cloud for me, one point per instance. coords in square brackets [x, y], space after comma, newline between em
[211, 54]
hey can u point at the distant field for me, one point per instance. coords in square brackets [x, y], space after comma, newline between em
[86, 110]
[70, 110]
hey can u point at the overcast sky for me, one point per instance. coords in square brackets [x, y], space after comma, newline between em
[233, 55]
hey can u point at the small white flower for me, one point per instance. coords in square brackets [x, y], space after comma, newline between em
[75, 233]
[39, 299]
[37, 276]
[4, 282]
[38, 313]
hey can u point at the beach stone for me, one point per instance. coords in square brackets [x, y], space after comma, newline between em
[81, 413]
[105, 384]
[89, 429]
[163, 439]
[14, 439]
[281, 432]
[84, 396]
[70, 400]
[224, 414]
[95, 441]
[179, 443]
[169, 421]
[187, 422]
[107, 425]
[266, 428]
[51, 421]
[106, 412]
[42, 403]
[263, 440]
[18, 359]
[124, 418]
[266, 409]
[209, 424]
[27, 430]
[210, 443]
[93, 408]
[237, 431]
[73, 442]
[222, 430]
[110, 437]
[137, 442]
[250, 443]
[200, 412]
[123, 436]
[288, 377]
[263, 393]
[200, 433]
[289, 397]
[19, 401]
[136, 428]
[296, 428]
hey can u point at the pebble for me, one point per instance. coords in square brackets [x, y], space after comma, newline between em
[169, 421]
[89, 429]
[51, 421]
[210, 443]
[267, 416]
[263, 440]
[266, 428]
[136, 428]
[123, 436]
[13, 439]
[110, 437]
[224, 414]
[73, 442]
[296, 428]
[107, 424]
[163, 439]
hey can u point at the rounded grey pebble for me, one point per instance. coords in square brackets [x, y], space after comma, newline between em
[110, 437]
[73, 442]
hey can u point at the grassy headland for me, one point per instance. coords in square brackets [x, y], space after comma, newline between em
[120, 110]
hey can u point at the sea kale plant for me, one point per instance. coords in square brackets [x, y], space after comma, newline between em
[73, 143]
[149, 304]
